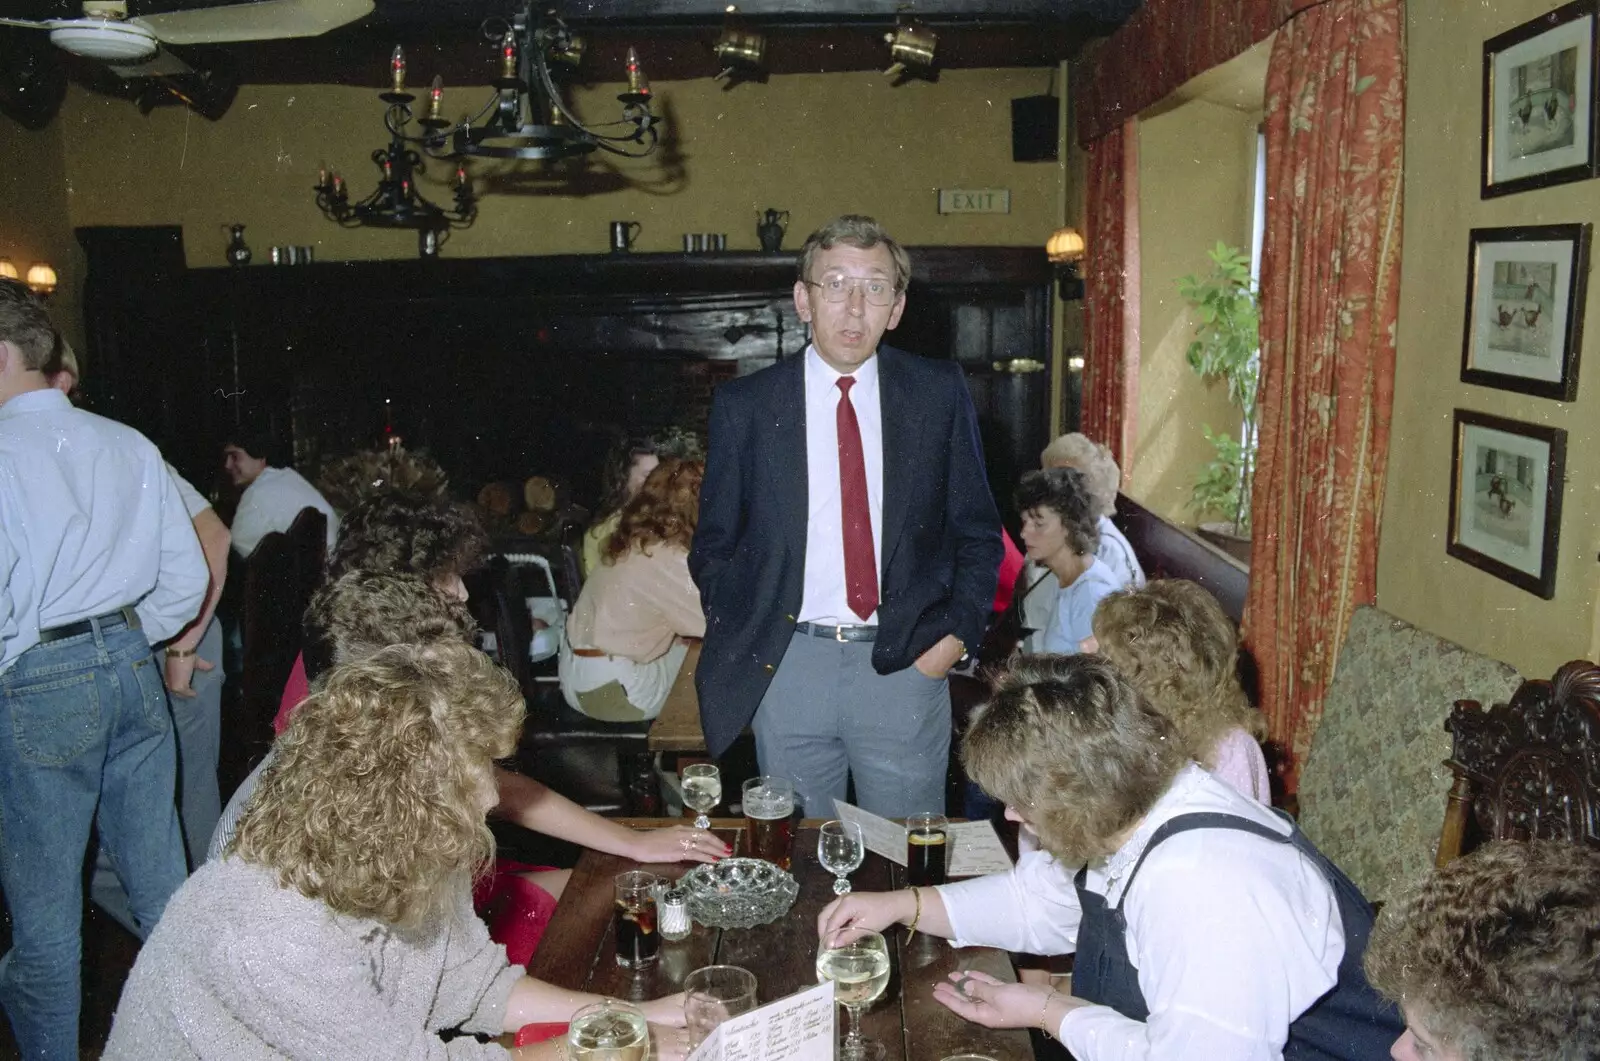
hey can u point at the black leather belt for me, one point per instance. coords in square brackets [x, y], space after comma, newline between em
[839, 633]
[122, 617]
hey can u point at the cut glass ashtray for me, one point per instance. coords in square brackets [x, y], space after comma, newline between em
[739, 893]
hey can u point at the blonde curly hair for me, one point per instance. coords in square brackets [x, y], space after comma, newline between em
[1497, 955]
[375, 803]
[1173, 642]
[1070, 745]
[1094, 461]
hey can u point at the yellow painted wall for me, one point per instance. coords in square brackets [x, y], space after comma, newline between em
[1417, 580]
[1195, 172]
[816, 145]
[33, 216]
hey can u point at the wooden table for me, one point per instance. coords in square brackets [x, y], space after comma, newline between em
[677, 728]
[578, 952]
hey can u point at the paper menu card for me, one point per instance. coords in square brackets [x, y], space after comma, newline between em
[975, 848]
[799, 1027]
[882, 836]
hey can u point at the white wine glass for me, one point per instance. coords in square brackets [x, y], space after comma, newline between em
[840, 850]
[608, 1031]
[702, 790]
[859, 971]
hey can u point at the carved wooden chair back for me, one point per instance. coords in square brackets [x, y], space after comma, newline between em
[1529, 769]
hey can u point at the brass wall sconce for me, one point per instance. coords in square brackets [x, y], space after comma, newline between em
[911, 50]
[741, 51]
[1065, 248]
[41, 278]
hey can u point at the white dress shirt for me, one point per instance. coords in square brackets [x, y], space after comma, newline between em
[271, 503]
[1233, 936]
[90, 521]
[194, 502]
[825, 599]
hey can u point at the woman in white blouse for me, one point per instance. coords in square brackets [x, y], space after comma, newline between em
[1204, 925]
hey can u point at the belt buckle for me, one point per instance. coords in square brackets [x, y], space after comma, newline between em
[838, 634]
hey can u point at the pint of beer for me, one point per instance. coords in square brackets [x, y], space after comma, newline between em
[769, 818]
[927, 840]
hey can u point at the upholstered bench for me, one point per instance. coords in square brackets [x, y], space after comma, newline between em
[1373, 788]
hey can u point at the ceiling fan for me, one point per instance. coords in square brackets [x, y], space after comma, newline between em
[106, 33]
[32, 84]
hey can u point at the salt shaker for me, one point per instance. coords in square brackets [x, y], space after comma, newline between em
[672, 914]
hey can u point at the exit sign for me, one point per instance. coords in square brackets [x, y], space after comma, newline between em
[974, 200]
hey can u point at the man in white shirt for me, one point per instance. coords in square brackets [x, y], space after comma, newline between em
[848, 545]
[272, 496]
[1204, 925]
[98, 559]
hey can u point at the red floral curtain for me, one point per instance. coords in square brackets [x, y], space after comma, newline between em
[1164, 44]
[1330, 292]
[1111, 303]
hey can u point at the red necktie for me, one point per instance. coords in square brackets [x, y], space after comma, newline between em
[860, 563]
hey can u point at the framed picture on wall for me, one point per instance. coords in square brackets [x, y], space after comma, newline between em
[1505, 499]
[1539, 101]
[1525, 298]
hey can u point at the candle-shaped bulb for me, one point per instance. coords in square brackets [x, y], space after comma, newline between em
[388, 169]
[508, 56]
[338, 186]
[638, 83]
[436, 96]
[461, 176]
[322, 176]
[397, 68]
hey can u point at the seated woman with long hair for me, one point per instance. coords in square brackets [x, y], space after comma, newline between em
[625, 638]
[1204, 925]
[340, 923]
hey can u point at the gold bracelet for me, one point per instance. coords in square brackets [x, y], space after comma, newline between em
[180, 653]
[916, 893]
[1044, 1013]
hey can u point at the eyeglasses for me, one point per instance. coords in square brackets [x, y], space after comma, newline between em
[838, 287]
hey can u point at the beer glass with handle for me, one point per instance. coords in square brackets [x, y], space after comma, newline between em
[702, 790]
[769, 817]
[608, 1031]
[859, 971]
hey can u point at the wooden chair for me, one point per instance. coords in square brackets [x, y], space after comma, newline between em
[1528, 769]
[605, 766]
[278, 580]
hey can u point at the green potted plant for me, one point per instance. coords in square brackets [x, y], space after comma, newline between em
[1226, 348]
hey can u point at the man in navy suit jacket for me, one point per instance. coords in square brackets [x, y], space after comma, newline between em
[832, 617]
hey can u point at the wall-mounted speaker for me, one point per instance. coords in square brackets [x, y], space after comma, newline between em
[1035, 121]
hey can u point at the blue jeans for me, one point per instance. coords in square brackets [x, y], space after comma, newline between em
[197, 723]
[85, 739]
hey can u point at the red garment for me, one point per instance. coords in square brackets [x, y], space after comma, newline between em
[1010, 568]
[296, 689]
[515, 909]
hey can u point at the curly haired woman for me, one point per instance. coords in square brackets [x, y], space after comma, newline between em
[1205, 925]
[340, 923]
[1173, 643]
[398, 533]
[1060, 533]
[1496, 957]
[624, 642]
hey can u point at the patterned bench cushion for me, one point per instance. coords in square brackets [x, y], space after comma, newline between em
[1372, 791]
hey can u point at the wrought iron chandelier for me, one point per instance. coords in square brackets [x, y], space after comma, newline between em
[525, 118]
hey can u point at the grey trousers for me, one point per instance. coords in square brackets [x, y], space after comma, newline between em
[197, 724]
[828, 717]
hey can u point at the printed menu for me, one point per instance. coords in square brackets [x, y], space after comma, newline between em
[799, 1027]
[975, 848]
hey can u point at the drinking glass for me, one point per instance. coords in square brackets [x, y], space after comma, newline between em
[859, 971]
[840, 850]
[769, 816]
[702, 790]
[927, 840]
[713, 994]
[638, 942]
[608, 1031]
